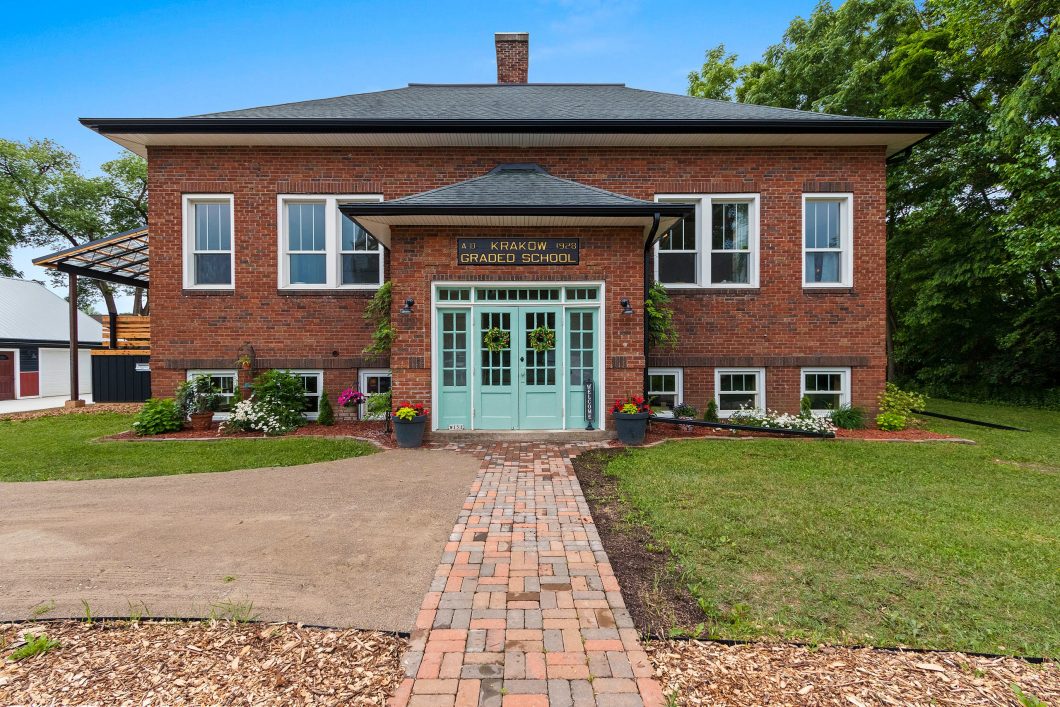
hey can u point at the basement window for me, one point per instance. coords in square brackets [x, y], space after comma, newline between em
[827, 389]
[664, 390]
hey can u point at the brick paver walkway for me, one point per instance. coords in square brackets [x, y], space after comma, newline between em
[524, 609]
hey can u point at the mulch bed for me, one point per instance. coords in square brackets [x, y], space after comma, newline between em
[122, 408]
[710, 673]
[716, 673]
[665, 431]
[202, 663]
[371, 430]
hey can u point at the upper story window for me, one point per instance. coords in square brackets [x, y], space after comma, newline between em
[209, 243]
[322, 248]
[717, 247]
[827, 240]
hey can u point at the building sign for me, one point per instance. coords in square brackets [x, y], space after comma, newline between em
[590, 410]
[142, 367]
[517, 251]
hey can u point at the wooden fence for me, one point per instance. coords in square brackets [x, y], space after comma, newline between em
[133, 336]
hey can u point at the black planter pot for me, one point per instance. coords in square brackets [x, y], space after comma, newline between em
[410, 433]
[631, 428]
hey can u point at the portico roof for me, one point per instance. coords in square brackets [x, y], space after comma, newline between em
[121, 258]
[514, 195]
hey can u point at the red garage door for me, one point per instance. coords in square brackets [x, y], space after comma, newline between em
[7, 375]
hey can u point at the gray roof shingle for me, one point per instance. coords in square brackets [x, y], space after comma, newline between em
[518, 185]
[575, 102]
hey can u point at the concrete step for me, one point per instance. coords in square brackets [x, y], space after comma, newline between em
[523, 436]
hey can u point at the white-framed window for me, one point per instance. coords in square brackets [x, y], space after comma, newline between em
[313, 383]
[827, 388]
[665, 390]
[736, 388]
[373, 381]
[717, 247]
[320, 248]
[209, 241]
[225, 381]
[828, 240]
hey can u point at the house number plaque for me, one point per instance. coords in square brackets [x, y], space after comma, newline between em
[517, 251]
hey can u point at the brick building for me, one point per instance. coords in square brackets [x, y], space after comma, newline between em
[513, 210]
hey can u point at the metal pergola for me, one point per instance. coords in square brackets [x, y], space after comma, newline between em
[121, 259]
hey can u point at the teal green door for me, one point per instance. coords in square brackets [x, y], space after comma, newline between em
[540, 384]
[454, 369]
[581, 366]
[518, 388]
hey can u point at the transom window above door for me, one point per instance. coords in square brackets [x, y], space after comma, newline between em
[718, 247]
[320, 247]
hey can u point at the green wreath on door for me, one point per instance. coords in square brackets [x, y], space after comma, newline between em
[497, 339]
[542, 339]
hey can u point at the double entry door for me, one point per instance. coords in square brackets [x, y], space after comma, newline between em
[503, 381]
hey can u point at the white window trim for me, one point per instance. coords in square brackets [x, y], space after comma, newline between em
[192, 372]
[362, 384]
[320, 384]
[704, 241]
[187, 202]
[844, 397]
[679, 386]
[846, 238]
[332, 241]
[761, 375]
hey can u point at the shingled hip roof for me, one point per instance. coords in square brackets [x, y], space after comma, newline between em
[514, 195]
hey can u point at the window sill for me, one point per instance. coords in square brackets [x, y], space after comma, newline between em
[327, 291]
[207, 292]
[716, 289]
[829, 290]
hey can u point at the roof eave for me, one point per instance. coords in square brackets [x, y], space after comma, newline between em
[117, 126]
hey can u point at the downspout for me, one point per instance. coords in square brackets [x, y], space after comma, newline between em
[653, 237]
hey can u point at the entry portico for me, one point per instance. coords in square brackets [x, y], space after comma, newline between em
[530, 303]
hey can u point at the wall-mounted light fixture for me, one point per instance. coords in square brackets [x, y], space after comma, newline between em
[626, 307]
[407, 309]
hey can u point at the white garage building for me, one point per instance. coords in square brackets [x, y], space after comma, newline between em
[35, 342]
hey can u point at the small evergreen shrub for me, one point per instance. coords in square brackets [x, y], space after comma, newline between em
[711, 414]
[325, 415]
[805, 406]
[158, 416]
[849, 417]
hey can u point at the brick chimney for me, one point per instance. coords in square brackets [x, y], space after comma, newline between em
[513, 56]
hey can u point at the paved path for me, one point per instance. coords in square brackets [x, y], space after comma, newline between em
[327, 543]
[524, 609]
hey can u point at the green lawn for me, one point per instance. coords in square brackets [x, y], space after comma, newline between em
[939, 546]
[65, 447]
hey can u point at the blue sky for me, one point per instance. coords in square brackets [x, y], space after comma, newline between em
[64, 60]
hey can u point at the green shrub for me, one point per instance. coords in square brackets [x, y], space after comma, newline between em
[902, 402]
[711, 414]
[325, 415]
[891, 421]
[378, 404]
[280, 396]
[849, 417]
[378, 313]
[805, 406]
[158, 415]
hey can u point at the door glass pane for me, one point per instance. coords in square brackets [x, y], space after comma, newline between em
[581, 348]
[496, 366]
[540, 366]
[454, 358]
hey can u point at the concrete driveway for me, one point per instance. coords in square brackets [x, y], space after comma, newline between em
[351, 543]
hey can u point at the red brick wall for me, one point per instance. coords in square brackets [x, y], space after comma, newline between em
[781, 325]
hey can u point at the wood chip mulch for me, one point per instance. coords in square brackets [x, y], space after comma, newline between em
[707, 673]
[122, 408]
[207, 663]
[369, 430]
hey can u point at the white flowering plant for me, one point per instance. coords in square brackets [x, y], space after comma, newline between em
[256, 416]
[773, 420]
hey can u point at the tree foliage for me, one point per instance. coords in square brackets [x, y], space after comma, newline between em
[46, 201]
[973, 213]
